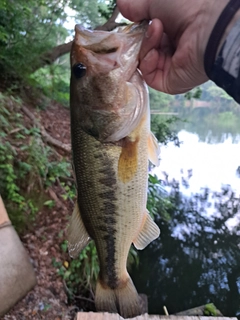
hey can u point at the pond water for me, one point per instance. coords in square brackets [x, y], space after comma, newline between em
[210, 165]
[196, 260]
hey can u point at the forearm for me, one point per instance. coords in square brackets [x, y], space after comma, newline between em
[222, 55]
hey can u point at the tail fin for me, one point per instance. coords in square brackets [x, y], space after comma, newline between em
[123, 300]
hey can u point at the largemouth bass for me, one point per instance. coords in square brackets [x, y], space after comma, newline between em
[111, 145]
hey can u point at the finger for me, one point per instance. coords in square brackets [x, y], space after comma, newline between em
[168, 80]
[134, 10]
[153, 38]
[154, 68]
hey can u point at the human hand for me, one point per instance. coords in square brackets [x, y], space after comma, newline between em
[172, 53]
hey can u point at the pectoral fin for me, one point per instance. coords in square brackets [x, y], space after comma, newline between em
[153, 149]
[78, 237]
[128, 160]
[147, 234]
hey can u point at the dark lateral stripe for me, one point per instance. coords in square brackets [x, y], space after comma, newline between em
[108, 194]
[108, 224]
[108, 209]
[103, 228]
[110, 259]
[109, 220]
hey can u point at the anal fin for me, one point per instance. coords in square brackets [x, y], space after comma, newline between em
[147, 234]
[153, 149]
[78, 237]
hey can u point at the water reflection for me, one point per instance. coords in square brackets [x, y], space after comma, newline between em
[210, 125]
[197, 258]
[211, 165]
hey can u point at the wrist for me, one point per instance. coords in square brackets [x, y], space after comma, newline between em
[228, 29]
[210, 12]
[221, 59]
[220, 31]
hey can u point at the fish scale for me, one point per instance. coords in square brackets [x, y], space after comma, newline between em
[98, 208]
[111, 144]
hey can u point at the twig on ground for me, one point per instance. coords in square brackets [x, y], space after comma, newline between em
[49, 139]
[76, 297]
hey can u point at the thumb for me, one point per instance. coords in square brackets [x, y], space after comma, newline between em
[134, 10]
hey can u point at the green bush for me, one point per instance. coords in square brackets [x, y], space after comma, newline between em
[80, 275]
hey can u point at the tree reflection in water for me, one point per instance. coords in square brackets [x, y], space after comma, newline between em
[196, 260]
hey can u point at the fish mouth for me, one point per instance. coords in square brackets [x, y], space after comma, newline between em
[136, 27]
[115, 49]
[98, 38]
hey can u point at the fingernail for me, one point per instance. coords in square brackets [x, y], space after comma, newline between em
[149, 55]
[148, 32]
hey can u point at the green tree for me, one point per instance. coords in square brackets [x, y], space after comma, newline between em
[32, 33]
[159, 100]
[28, 28]
[89, 12]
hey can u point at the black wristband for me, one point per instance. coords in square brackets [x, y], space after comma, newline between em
[217, 33]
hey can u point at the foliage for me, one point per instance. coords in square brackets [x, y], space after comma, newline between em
[106, 11]
[197, 254]
[11, 169]
[28, 28]
[163, 129]
[53, 80]
[159, 100]
[27, 165]
[80, 275]
[210, 310]
[9, 188]
[158, 202]
[194, 93]
[211, 92]
[91, 13]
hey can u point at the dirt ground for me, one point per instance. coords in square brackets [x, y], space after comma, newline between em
[48, 300]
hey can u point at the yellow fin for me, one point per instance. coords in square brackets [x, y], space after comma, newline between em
[128, 161]
[147, 234]
[153, 149]
[78, 237]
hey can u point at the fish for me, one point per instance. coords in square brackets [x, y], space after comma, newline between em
[111, 147]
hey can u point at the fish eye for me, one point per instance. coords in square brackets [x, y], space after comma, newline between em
[79, 70]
